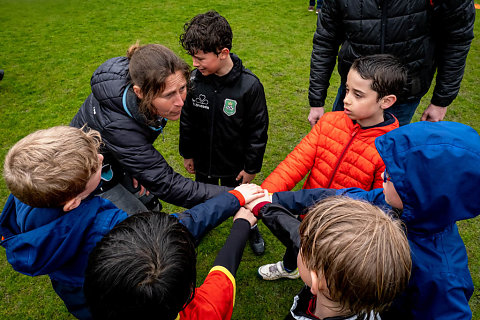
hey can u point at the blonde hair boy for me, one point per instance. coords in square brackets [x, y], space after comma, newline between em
[52, 167]
[353, 256]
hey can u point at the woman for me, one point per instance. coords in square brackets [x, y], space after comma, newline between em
[132, 98]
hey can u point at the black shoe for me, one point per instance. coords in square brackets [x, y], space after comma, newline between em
[256, 241]
[1, 74]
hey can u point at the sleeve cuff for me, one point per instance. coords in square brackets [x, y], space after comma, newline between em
[239, 196]
[258, 206]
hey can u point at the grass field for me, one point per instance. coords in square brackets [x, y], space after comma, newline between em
[50, 48]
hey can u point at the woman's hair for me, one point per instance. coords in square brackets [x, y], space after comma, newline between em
[150, 66]
[50, 167]
[144, 268]
[361, 251]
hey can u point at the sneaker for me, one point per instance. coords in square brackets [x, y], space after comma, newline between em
[274, 271]
[317, 11]
[256, 241]
[311, 8]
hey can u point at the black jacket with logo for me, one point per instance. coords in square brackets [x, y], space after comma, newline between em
[224, 122]
[427, 35]
[112, 109]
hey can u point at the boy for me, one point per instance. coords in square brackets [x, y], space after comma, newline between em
[51, 221]
[339, 151]
[152, 275]
[353, 258]
[224, 122]
[431, 180]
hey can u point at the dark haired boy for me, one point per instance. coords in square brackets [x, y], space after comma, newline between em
[339, 151]
[224, 122]
[145, 268]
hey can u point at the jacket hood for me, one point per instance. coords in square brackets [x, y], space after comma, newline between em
[47, 240]
[110, 80]
[435, 168]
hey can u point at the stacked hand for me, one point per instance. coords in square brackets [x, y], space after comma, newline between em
[253, 195]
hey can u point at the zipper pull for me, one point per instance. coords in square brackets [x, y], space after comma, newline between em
[355, 130]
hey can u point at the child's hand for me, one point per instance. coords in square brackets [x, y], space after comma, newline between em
[245, 214]
[189, 166]
[244, 177]
[266, 197]
[250, 191]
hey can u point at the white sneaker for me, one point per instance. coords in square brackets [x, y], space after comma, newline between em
[275, 271]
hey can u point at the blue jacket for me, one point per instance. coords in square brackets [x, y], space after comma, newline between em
[50, 241]
[435, 170]
[206, 216]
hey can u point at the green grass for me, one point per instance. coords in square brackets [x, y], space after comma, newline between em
[50, 48]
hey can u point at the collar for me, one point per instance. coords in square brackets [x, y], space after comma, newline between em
[129, 98]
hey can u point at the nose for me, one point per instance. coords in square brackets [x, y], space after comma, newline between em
[195, 62]
[346, 100]
[179, 100]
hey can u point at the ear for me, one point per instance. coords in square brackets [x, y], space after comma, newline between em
[72, 204]
[138, 91]
[388, 101]
[315, 282]
[224, 53]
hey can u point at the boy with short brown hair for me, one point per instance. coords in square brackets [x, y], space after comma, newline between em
[354, 258]
[50, 222]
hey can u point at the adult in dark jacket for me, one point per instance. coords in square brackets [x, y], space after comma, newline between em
[428, 36]
[132, 98]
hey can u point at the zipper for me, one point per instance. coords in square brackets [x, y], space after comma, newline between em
[212, 118]
[383, 6]
[352, 137]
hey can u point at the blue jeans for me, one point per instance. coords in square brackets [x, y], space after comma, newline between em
[319, 3]
[402, 111]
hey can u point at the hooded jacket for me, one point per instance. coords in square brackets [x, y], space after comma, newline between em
[224, 122]
[426, 35]
[434, 168]
[41, 241]
[337, 152]
[112, 109]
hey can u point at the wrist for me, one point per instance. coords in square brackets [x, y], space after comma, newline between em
[258, 206]
[239, 196]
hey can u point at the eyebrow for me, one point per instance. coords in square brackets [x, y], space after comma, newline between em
[166, 93]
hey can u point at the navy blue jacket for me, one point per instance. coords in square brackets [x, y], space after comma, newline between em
[50, 241]
[435, 170]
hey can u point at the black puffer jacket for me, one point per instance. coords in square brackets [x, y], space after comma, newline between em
[112, 109]
[224, 122]
[422, 35]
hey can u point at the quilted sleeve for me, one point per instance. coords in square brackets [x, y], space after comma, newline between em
[296, 165]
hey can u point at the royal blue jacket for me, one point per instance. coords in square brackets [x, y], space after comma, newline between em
[50, 241]
[435, 170]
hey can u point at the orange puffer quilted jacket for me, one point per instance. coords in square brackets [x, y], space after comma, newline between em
[338, 153]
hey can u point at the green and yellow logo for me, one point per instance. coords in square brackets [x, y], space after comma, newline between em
[230, 107]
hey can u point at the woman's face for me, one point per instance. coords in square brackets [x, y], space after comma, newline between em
[170, 102]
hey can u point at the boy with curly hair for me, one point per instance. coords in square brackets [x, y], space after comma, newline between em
[224, 122]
